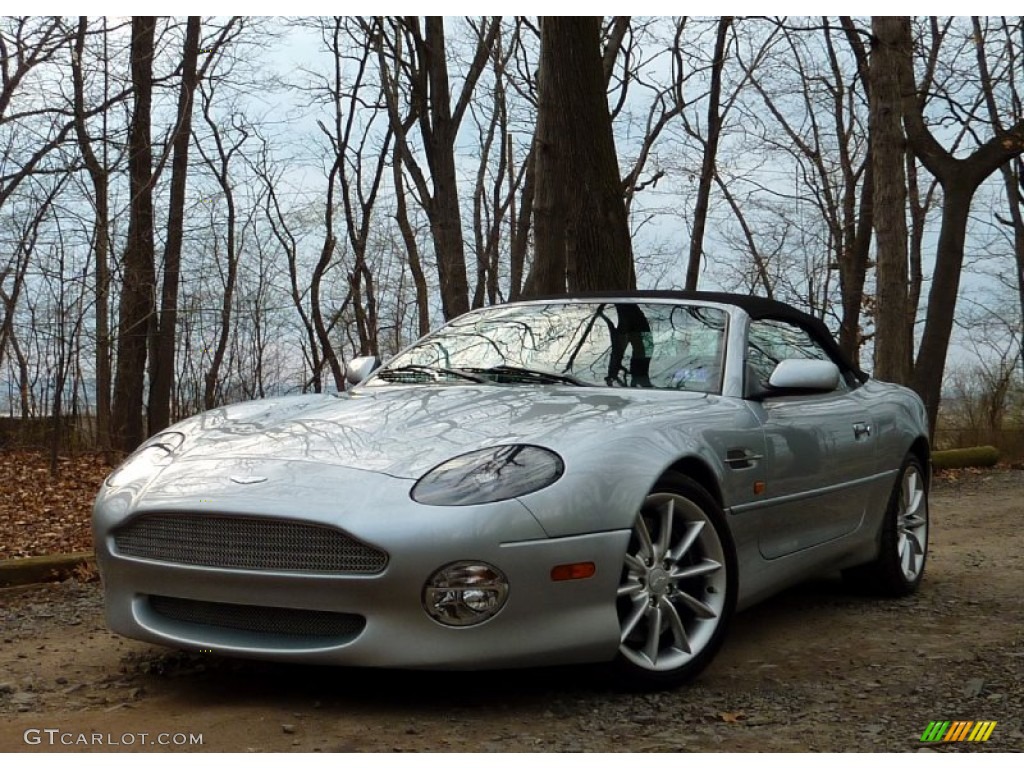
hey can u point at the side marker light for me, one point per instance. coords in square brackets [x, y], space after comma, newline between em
[571, 571]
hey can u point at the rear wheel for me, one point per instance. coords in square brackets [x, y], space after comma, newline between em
[898, 569]
[677, 592]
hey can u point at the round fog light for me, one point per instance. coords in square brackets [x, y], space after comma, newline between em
[464, 593]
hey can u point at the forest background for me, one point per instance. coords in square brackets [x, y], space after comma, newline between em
[196, 211]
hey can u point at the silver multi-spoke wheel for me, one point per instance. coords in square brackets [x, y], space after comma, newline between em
[912, 523]
[674, 591]
[903, 538]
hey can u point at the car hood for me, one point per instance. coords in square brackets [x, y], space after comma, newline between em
[405, 430]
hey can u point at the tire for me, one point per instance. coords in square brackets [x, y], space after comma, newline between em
[677, 592]
[903, 543]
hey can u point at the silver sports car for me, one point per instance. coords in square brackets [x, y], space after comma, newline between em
[602, 478]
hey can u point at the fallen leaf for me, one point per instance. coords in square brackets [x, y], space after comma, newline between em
[42, 515]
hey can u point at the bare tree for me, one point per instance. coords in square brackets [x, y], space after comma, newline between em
[959, 179]
[992, 332]
[707, 171]
[139, 277]
[859, 210]
[283, 231]
[631, 50]
[161, 374]
[363, 149]
[801, 235]
[228, 143]
[419, 58]
[575, 142]
[893, 321]
[1012, 171]
[412, 248]
[497, 182]
[26, 227]
[99, 169]
[550, 190]
[68, 315]
[27, 45]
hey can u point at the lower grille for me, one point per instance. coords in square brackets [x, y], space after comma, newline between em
[262, 620]
[247, 543]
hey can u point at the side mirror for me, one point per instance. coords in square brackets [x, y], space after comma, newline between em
[358, 368]
[793, 377]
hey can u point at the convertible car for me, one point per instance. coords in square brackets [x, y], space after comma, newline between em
[598, 478]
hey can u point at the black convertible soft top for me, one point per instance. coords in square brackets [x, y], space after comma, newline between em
[758, 307]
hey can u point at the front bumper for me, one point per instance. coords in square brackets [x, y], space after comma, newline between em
[543, 622]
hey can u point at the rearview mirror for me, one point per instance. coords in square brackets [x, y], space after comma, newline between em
[358, 368]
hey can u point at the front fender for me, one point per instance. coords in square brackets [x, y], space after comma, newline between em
[606, 481]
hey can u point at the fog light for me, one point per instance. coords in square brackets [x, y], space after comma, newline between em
[464, 593]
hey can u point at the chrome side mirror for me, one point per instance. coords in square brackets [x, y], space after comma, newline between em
[803, 376]
[358, 368]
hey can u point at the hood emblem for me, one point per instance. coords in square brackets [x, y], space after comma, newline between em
[247, 479]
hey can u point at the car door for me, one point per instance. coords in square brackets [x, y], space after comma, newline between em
[819, 448]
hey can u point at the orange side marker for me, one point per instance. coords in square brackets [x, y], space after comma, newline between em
[572, 571]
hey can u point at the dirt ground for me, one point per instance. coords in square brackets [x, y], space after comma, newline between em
[819, 668]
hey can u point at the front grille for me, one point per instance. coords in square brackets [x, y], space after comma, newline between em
[260, 619]
[247, 543]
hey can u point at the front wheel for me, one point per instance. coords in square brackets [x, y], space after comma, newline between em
[677, 592]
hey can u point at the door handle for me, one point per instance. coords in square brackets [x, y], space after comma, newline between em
[861, 429]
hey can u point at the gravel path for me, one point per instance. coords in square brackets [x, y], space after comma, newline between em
[819, 668]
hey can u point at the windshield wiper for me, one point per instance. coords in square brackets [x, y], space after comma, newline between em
[532, 374]
[435, 369]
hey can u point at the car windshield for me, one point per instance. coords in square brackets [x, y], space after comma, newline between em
[613, 344]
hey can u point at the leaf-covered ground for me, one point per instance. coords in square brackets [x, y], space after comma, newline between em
[43, 515]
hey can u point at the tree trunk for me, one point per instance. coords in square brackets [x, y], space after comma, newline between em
[707, 171]
[893, 322]
[102, 309]
[25, 398]
[931, 358]
[576, 131]
[853, 262]
[1014, 183]
[161, 377]
[99, 176]
[431, 108]
[446, 221]
[520, 222]
[854, 267]
[138, 288]
[960, 179]
[439, 131]
[419, 280]
[220, 169]
[918, 219]
[322, 328]
[550, 208]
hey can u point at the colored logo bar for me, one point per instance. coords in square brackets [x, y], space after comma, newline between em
[958, 730]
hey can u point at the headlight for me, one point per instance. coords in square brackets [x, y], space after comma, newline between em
[153, 455]
[464, 593]
[491, 474]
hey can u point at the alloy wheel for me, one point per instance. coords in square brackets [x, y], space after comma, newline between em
[912, 523]
[673, 591]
